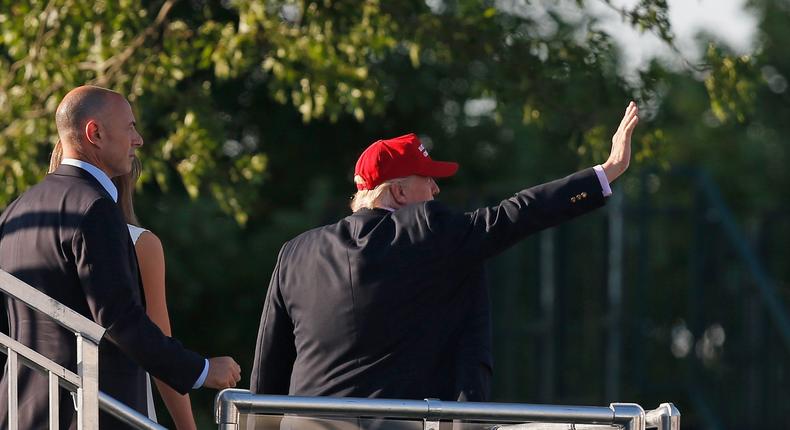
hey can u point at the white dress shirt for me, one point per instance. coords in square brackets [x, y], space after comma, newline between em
[607, 190]
[97, 173]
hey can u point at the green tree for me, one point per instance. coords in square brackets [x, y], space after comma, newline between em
[258, 109]
[188, 68]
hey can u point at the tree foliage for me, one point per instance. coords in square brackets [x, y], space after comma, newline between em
[189, 67]
[258, 109]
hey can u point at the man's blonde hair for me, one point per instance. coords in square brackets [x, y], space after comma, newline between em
[377, 197]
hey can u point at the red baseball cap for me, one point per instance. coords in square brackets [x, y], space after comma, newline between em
[397, 158]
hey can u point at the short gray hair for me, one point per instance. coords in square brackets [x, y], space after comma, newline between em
[377, 197]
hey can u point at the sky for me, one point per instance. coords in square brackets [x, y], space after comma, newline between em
[728, 20]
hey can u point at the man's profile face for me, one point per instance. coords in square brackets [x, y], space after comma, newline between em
[418, 189]
[120, 137]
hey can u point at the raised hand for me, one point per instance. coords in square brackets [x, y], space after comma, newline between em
[620, 155]
[223, 372]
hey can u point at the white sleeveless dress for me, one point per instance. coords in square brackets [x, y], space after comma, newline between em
[135, 232]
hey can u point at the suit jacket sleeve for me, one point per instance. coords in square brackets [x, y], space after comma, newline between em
[100, 247]
[477, 235]
[275, 351]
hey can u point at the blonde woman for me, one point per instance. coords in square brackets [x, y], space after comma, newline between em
[151, 261]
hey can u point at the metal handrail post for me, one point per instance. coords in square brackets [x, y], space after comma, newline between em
[630, 415]
[13, 389]
[431, 420]
[54, 401]
[88, 393]
[226, 413]
[665, 417]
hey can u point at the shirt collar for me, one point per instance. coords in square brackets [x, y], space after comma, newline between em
[97, 173]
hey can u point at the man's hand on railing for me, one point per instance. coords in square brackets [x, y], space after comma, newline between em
[223, 372]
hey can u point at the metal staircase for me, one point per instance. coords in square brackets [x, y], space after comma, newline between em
[83, 385]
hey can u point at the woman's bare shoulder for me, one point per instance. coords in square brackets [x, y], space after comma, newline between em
[148, 244]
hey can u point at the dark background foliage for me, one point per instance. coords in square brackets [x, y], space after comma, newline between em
[254, 113]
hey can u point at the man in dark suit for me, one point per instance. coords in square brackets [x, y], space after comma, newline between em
[67, 238]
[390, 302]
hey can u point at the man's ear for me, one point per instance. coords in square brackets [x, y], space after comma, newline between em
[396, 189]
[92, 132]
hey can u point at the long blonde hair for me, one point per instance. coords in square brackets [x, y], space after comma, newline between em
[124, 183]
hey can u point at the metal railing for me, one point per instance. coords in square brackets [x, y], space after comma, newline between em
[230, 404]
[84, 385]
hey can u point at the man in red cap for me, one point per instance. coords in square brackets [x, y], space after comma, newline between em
[389, 302]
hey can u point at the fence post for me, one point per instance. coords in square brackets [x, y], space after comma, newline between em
[665, 417]
[630, 415]
[88, 393]
[13, 389]
[226, 413]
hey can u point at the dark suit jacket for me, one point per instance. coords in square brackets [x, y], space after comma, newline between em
[392, 304]
[67, 238]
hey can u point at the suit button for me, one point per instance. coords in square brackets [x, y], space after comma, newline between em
[573, 199]
[584, 195]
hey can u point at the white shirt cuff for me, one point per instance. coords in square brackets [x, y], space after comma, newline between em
[605, 188]
[202, 378]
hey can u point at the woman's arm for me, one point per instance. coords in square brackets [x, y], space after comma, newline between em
[151, 259]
